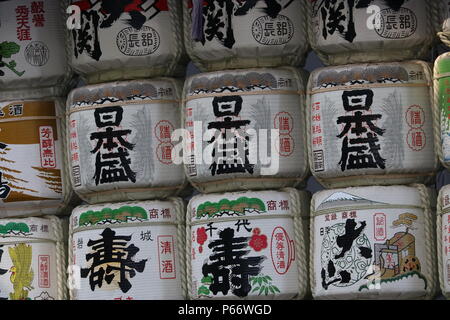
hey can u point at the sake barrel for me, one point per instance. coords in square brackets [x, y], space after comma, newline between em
[372, 31]
[444, 33]
[128, 251]
[120, 140]
[248, 245]
[443, 239]
[371, 124]
[233, 34]
[32, 49]
[33, 259]
[123, 40]
[442, 111]
[247, 129]
[34, 176]
[373, 243]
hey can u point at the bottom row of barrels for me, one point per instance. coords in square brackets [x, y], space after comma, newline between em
[354, 243]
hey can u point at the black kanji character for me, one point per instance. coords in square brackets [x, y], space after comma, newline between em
[112, 254]
[228, 267]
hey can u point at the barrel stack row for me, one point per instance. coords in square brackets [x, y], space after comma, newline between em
[254, 129]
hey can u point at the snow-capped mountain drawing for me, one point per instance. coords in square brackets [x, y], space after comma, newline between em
[344, 199]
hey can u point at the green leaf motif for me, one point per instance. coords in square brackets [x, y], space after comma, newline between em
[123, 214]
[14, 227]
[239, 206]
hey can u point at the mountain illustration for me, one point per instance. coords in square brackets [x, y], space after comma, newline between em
[344, 199]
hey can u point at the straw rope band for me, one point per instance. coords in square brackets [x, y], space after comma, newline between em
[124, 225]
[26, 240]
[370, 86]
[439, 243]
[122, 104]
[250, 93]
[125, 190]
[31, 118]
[380, 176]
[441, 75]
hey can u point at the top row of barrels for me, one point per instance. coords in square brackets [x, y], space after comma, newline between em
[105, 45]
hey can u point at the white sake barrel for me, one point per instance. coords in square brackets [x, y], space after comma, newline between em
[126, 40]
[120, 140]
[245, 34]
[371, 124]
[256, 123]
[128, 251]
[248, 245]
[373, 243]
[443, 239]
[34, 176]
[33, 259]
[442, 110]
[444, 34]
[344, 32]
[33, 49]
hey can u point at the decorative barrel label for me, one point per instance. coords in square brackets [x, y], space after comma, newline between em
[347, 23]
[235, 252]
[269, 28]
[363, 247]
[442, 76]
[28, 271]
[30, 148]
[125, 32]
[371, 120]
[126, 251]
[120, 136]
[32, 45]
[245, 124]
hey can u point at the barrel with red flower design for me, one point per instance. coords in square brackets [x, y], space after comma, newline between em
[242, 245]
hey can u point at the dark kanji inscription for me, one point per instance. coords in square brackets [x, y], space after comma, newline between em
[231, 155]
[112, 163]
[228, 267]
[360, 148]
[112, 256]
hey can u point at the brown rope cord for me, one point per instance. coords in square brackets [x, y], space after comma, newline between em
[31, 118]
[251, 93]
[370, 85]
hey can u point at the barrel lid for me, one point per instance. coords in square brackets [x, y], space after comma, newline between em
[245, 80]
[119, 214]
[248, 204]
[367, 198]
[373, 74]
[23, 229]
[124, 91]
[442, 64]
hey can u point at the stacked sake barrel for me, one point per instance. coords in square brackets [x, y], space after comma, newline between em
[371, 142]
[34, 78]
[127, 242]
[245, 150]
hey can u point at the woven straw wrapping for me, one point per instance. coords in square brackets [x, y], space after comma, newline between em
[409, 267]
[148, 227]
[267, 95]
[378, 44]
[282, 282]
[442, 235]
[247, 51]
[145, 105]
[39, 273]
[165, 58]
[397, 96]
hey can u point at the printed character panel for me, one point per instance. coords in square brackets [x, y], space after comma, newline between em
[247, 29]
[124, 144]
[31, 162]
[244, 258]
[28, 271]
[128, 263]
[373, 130]
[378, 253]
[244, 134]
[360, 25]
[32, 44]
[135, 34]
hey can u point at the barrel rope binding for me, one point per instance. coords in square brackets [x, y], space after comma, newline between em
[440, 214]
[181, 243]
[189, 253]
